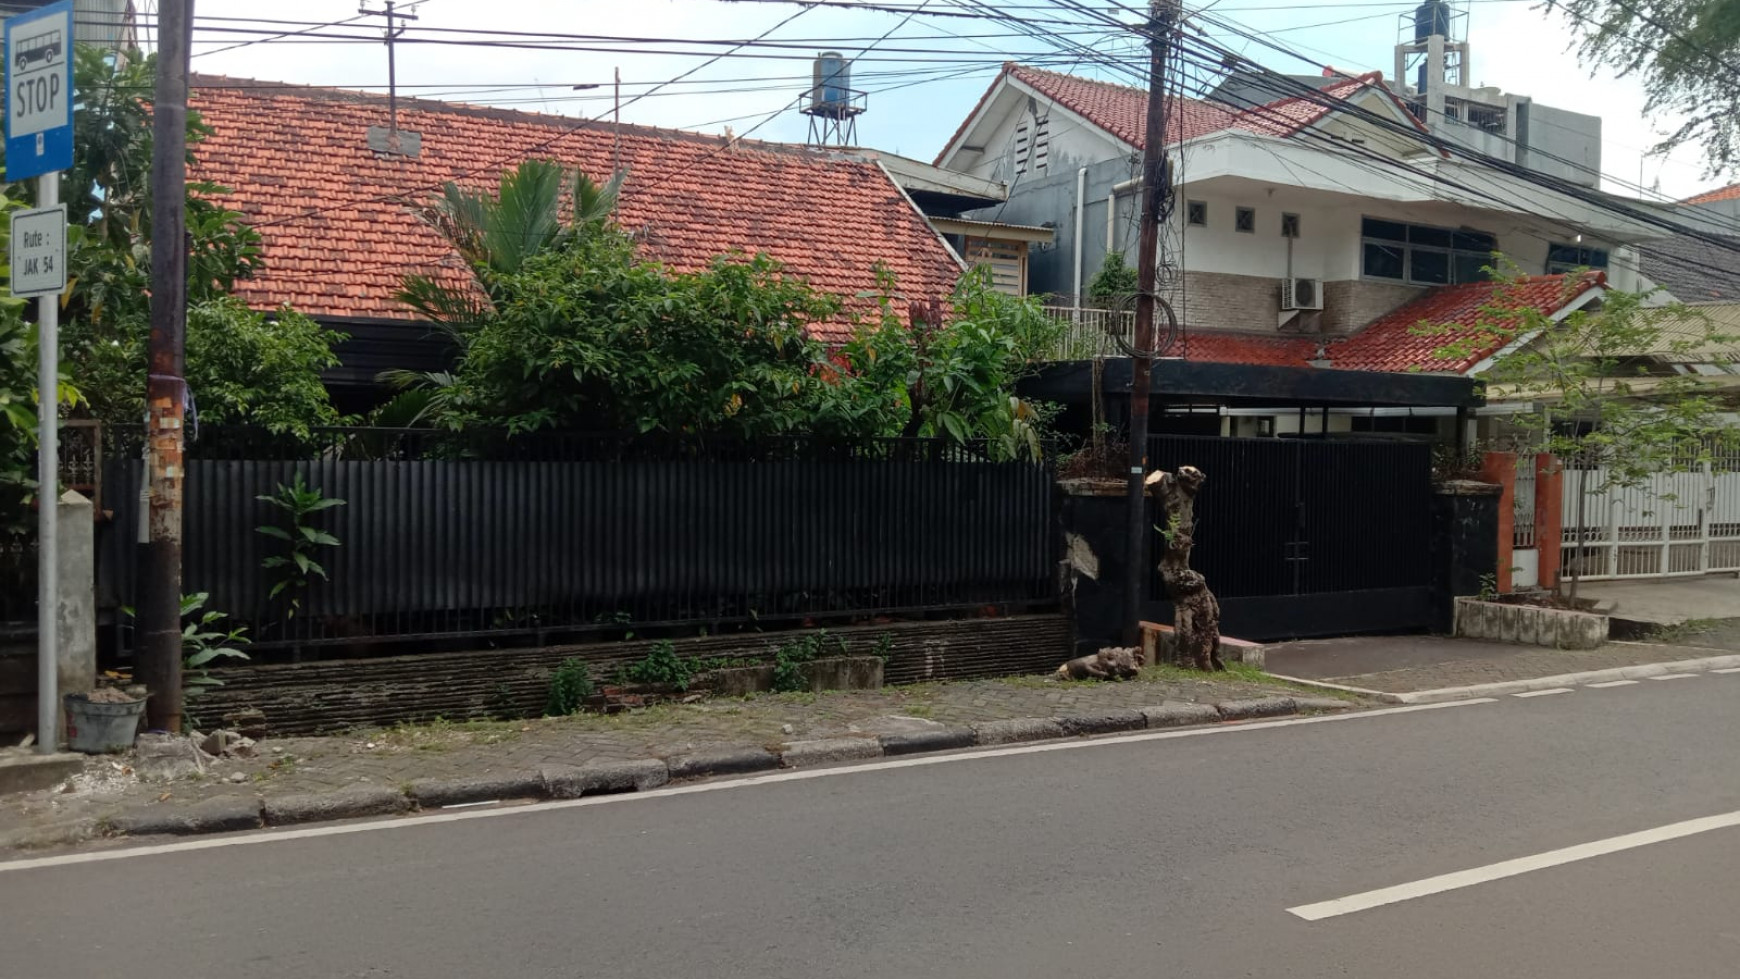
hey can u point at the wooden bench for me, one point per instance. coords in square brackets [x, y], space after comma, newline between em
[1157, 647]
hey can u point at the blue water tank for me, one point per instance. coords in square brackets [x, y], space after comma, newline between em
[832, 82]
[1431, 17]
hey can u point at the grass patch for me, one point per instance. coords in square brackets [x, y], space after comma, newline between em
[1669, 635]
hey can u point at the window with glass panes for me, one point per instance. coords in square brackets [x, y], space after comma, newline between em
[1569, 258]
[1423, 255]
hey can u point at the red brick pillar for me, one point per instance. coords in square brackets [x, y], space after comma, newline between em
[1499, 468]
[1549, 516]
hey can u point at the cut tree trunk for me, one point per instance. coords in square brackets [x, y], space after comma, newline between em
[1195, 611]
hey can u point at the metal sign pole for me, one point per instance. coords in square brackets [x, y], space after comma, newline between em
[48, 501]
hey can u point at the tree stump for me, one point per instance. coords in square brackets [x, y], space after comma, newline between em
[1195, 611]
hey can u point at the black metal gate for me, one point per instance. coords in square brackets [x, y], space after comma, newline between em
[1303, 537]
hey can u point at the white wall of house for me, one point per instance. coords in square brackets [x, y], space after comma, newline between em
[1069, 140]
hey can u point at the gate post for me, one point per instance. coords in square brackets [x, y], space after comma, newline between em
[1096, 555]
[1499, 468]
[1549, 517]
[1464, 545]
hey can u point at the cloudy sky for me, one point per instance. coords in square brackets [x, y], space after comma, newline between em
[922, 79]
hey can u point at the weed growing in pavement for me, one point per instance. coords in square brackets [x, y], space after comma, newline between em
[1680, 632]
[660, 667]
[570, 685]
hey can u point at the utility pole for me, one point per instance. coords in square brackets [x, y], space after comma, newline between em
[159, 619]
[394, 30]
[1156, 200]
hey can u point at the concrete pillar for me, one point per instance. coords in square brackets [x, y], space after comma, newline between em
[76, 659]
[1095, 517]
[1464, 545]
[1549, 517]
[1499, 469]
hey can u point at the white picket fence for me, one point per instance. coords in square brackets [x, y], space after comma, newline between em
[1674, 524]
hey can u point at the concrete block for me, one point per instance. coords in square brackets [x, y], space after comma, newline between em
[1018, 730]
[433, 793]
[921, 741]
[167, 757]
[1108, 722]
[724, 761]
[1242, 710]
[1179, 715]
[26, 771]
[351, 803]
[807, 754]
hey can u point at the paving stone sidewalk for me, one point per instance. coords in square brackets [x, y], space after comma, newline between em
[1525, 663]
[395, 758]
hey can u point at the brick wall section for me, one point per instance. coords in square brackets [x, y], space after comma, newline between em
[1251, 303]
[338, 695]
[1353, 304]
[1222, 301]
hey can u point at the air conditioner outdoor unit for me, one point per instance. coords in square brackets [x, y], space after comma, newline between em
[1301, 294]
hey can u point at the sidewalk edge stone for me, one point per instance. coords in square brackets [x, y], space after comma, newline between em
[922, 741]
[1506, 687]
[722, 761]
[824, 751]
[348, 803]
[433, 793]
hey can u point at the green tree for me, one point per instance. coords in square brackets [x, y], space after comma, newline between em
[1591, 388]
[1685, 51]
[242, 366]
[1114, 285]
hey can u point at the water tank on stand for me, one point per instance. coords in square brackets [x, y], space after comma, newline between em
[1431, 17]
[831, 89]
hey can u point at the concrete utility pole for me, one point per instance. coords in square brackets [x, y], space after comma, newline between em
[159, 619]
[1156, 195]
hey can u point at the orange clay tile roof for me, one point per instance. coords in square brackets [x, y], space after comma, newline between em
[1122, 111]
[1727, 193]
[340, 225]
[1393, 343]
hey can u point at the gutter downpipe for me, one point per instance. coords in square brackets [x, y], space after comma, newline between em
[1080, 231]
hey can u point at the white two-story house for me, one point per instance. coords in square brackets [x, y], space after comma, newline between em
[1291, 218]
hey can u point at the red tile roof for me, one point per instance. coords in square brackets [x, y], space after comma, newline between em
[1123, 111]
[340, 226]
[1727, 193]
[1394, 342]
[1226, 347]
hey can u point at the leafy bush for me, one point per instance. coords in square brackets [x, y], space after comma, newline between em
[1115, 285]
[570, 685]
[661, 667]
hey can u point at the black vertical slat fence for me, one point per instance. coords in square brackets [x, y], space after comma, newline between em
[587, 532]
[1297, 516]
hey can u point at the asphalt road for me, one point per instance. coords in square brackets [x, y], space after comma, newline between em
[1175, 857]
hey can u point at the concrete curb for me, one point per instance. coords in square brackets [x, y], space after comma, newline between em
[1639, 672]
[226, 814]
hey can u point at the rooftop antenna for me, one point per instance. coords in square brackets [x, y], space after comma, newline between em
[394, 143]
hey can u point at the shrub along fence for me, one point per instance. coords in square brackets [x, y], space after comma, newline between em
[449, 536]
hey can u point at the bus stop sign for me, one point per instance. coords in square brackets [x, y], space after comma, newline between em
[39, 91]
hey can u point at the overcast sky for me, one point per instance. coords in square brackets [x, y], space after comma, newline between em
[917, 97]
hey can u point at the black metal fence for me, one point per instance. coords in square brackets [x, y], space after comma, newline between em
[447, 536]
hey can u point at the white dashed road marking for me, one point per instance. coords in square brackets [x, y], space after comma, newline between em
[1612, 683]
[1512, 868]
[1675, 676]
[1735, 669]
[1542, 693]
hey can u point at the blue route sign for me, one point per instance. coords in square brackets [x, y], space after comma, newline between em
[39, 91]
